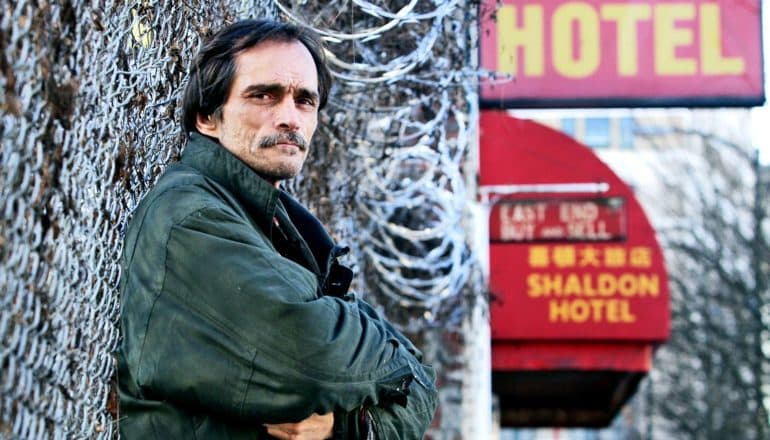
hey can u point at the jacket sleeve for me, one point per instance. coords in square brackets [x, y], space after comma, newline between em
[237, 330]
[410, 421]
[407, 420]
[408, 414]
[392, 331]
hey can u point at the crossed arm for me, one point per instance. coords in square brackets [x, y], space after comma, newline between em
[272, 350]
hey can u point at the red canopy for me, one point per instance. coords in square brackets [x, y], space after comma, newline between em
[577, 278]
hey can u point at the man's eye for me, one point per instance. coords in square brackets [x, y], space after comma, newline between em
[306, 101]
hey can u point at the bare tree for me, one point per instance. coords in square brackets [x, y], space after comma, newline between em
[711, 211]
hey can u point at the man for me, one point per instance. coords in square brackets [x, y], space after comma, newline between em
[236, 319]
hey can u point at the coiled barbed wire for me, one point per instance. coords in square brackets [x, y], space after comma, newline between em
[415, 240]
[405, 83]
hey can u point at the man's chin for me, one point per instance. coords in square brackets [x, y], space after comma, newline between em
[277, 175]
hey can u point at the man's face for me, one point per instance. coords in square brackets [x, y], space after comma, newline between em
[271, 113]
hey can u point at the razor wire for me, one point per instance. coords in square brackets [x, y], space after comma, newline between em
[407, 82]
[399, 136]
[89, 121]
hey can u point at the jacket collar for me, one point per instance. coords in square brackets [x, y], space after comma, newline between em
[312, 231]
[264, 201]
[213, 161]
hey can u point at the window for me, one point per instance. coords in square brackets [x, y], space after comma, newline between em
[627, 128]
[568, 126]
[597, 134]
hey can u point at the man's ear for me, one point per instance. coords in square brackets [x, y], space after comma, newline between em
[208, 125]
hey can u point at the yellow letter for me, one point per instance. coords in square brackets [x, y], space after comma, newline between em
[668, 37]
[612, 310]
[628, 285]
[625, 312]
[588, 288]
[597, 305]
[551, 284]
[649, 285]
[572, 286]
[558, 310]
[712, 61]
[626, 18]
[533, 281]
[608, 284]
[586, 61]
[579, 310]
[529, 37]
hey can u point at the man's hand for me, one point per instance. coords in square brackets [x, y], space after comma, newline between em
[315, 427]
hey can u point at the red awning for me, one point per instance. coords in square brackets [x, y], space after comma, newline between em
[578, 282]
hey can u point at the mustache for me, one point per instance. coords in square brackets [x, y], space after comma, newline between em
[289, 137]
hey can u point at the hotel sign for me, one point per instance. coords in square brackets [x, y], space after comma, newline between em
[550, 53]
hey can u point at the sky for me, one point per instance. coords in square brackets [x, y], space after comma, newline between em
[760, 116]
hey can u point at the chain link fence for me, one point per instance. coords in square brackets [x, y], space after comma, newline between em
[89, 120]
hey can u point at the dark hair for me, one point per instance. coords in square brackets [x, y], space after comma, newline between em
[213, 70]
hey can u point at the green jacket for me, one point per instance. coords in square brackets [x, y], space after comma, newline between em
[222, 333]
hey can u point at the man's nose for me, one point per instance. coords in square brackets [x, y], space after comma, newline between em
[287, 114]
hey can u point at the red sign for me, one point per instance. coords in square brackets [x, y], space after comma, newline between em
[621, 53]
[603, 279]
[558, 220]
